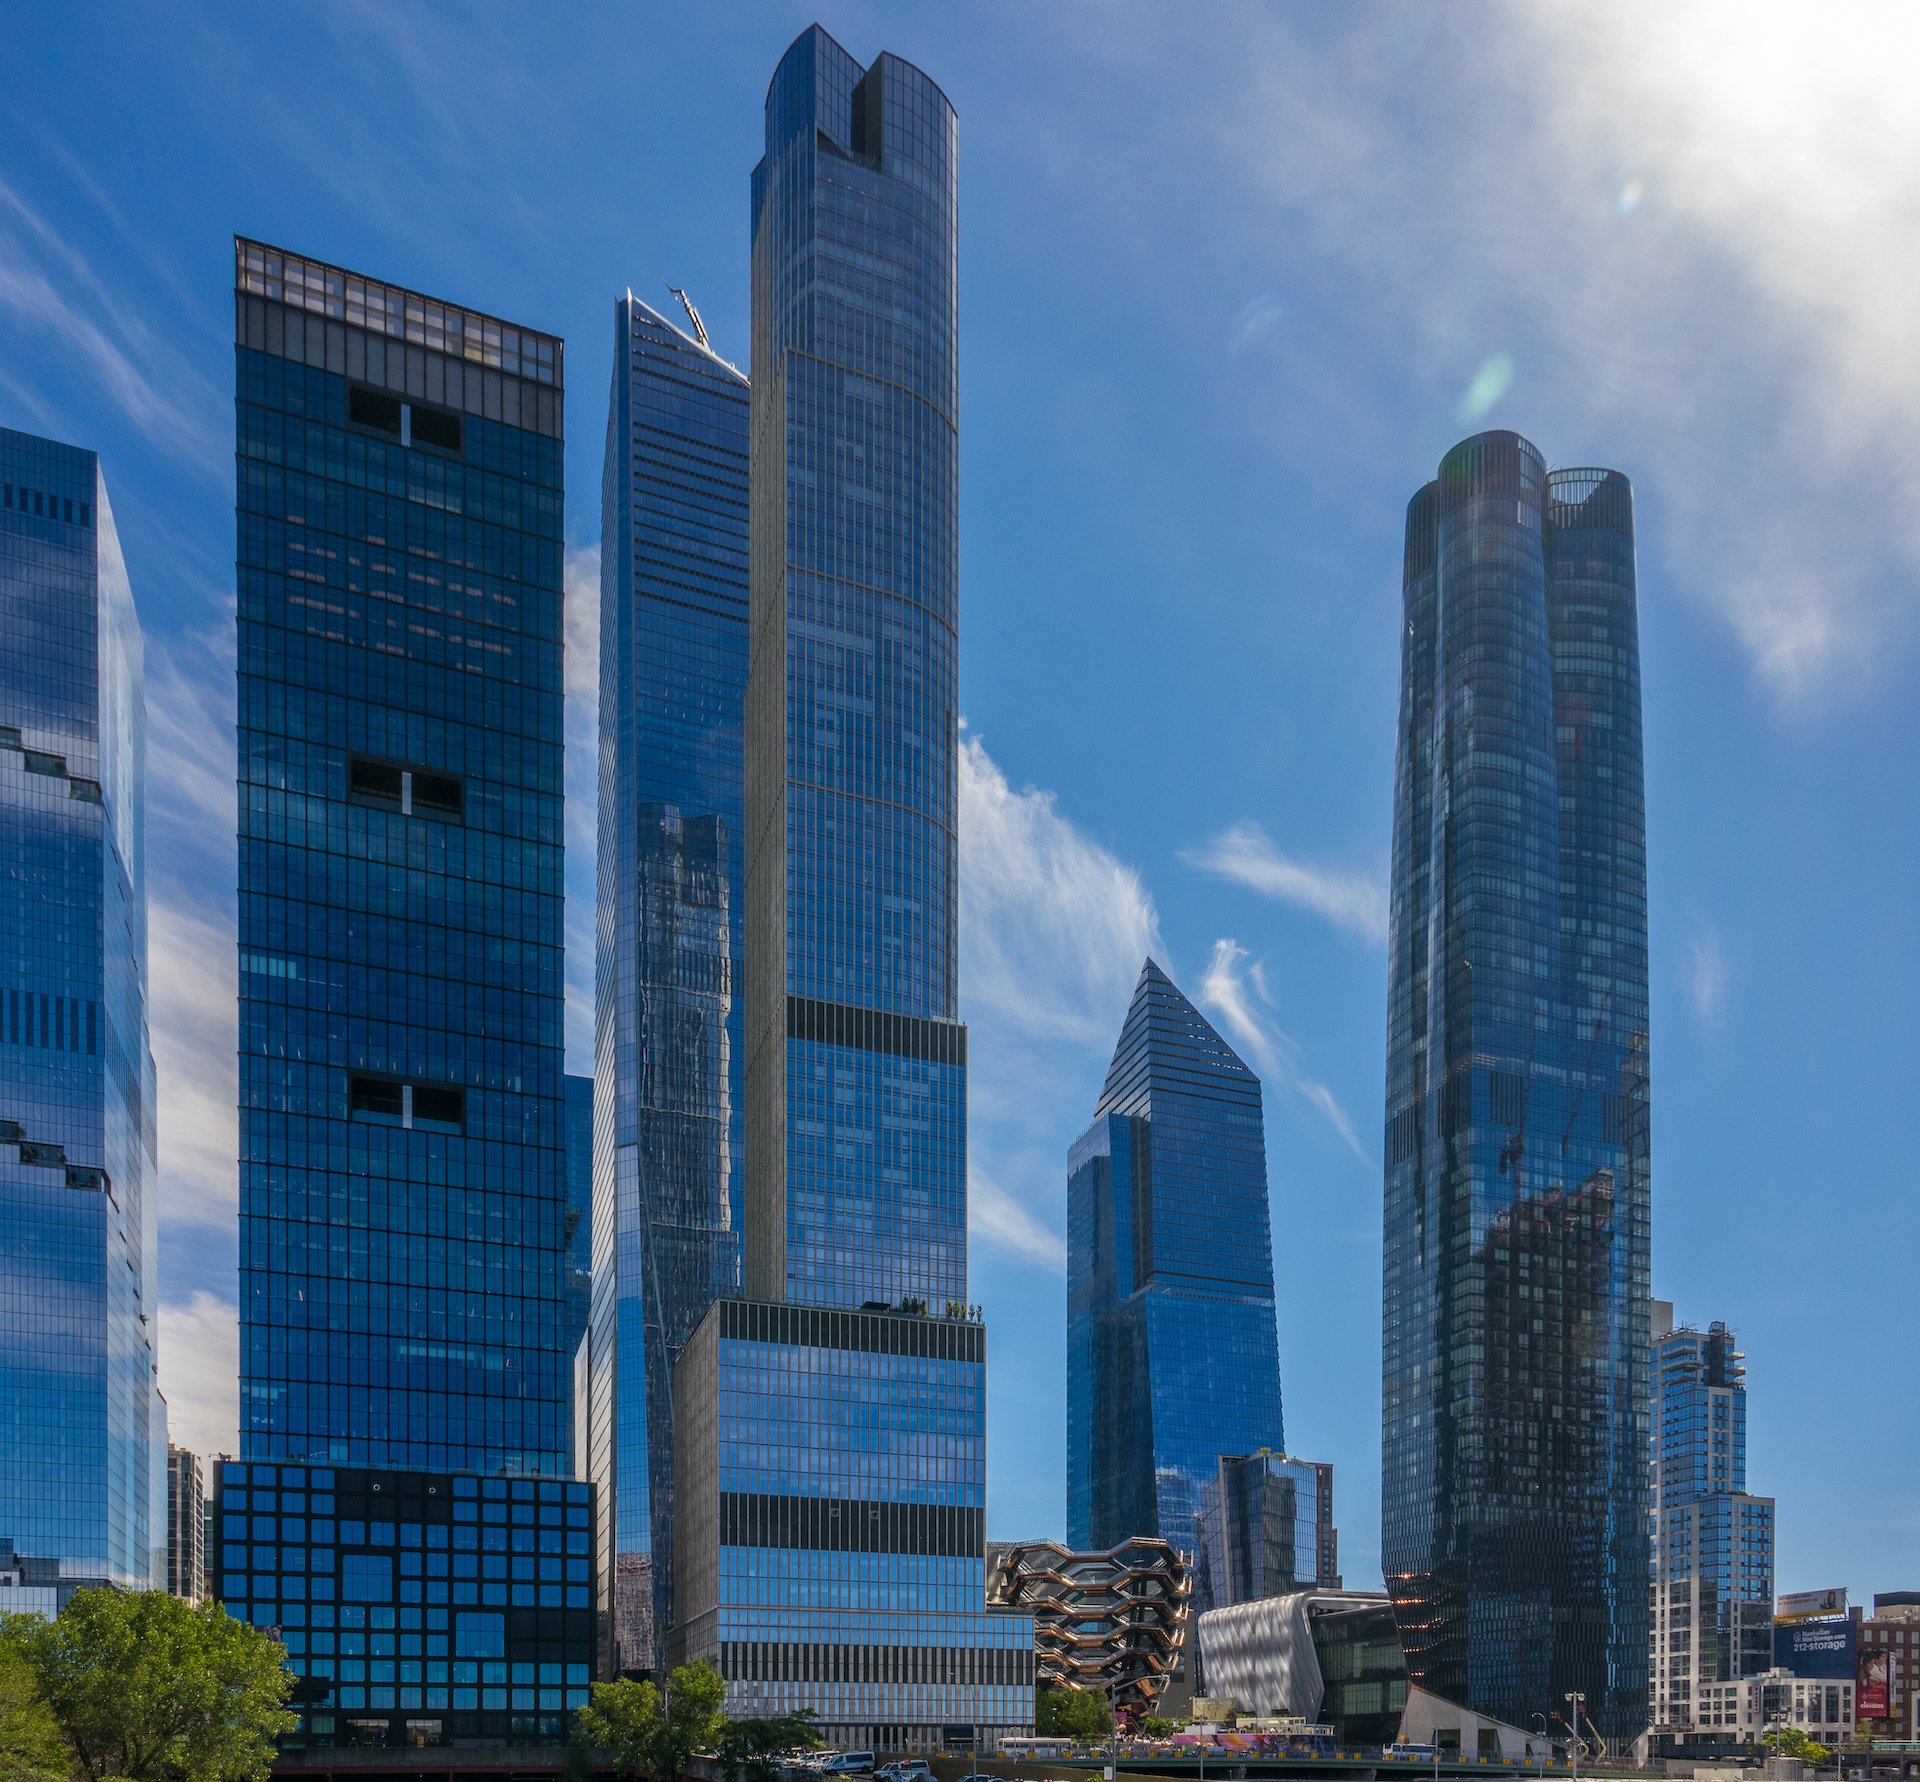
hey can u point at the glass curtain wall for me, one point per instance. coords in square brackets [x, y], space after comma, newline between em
[668, 1059]
[83, 1464]
[1172, 1359]
[403, 1193]
[1516, 1311]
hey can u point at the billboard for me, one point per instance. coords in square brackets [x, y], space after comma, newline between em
[1873, 1699]
[1818, 1649]
[1803, 1605]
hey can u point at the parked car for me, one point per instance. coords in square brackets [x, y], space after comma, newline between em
[848, 1763]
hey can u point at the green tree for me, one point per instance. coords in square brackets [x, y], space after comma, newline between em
[649, 1734]
[1157, 1726]
[145, 1688]
[1072, 1714]
[749, 1749]
[1790, 1741]
[31, 1748]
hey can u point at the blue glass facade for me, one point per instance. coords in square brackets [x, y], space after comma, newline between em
[1517, 1195]
[577, 1097]
[1172, 1359]
[403, 1191]
[83, 1463]
[668, 1058]
[415, 1608]
[831, 1428]
[1264, 1528]
[833, 1523]
[856, 1065]
[1713, 1543]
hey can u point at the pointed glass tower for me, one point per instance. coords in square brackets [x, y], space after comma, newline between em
[1171, 1354]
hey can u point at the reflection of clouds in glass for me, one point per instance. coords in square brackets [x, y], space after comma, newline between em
[1490, 383]
[1258, 317]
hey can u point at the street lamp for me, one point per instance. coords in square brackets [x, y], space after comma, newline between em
[1578, 1698]
[1546, 1742]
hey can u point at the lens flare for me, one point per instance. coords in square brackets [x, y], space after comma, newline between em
[1630, 195]
[1490, 383]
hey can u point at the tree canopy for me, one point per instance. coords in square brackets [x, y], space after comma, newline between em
[141, 1686]
[1072, 1713]
[749, 1749]
[651, 1733]
[31, 1748]
[1790, 1741]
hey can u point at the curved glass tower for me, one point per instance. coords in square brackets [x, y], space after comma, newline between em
[83, 1462]
[1517, 1207]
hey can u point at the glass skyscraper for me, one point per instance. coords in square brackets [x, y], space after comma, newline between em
[577, 1099]
[1517, 1203]
[1172, 1359]
[832, 1431]
[668, 1059]
[1713, 1544]
[1264, 1527]
[83, 1457]
[403, 1192]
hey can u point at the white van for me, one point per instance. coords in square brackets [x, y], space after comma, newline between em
[848, 1763]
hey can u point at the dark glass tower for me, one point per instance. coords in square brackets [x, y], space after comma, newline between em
[831, 1428]
[83, 1456]
[1172, 1359]
[403, 1199]
[403, 1188]
[668, 1059]
[1517, 1204]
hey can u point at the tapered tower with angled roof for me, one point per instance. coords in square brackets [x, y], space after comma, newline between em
[1171, 1354]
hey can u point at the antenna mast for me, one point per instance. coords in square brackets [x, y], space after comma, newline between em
[693, 315]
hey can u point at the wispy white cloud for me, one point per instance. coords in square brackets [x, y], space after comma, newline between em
[582, 631]
[194, 1037]
[1783, 241]
[191, 935]
[1751, 274]
[1706, 978]
[1010, 1227]
[47, 285]
[1246, 855]
[1053, 927]
[1234, 987]
[200, 1373]
[1053, 930]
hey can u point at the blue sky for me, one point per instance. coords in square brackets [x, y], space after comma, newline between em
[1233, 277]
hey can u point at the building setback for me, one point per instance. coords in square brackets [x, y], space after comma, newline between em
[831, 1425]
[1517, 1198]
[83, 1465]
[668, 1058]
[403, 1195]
[1712, 1542]
[1172, 1360]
